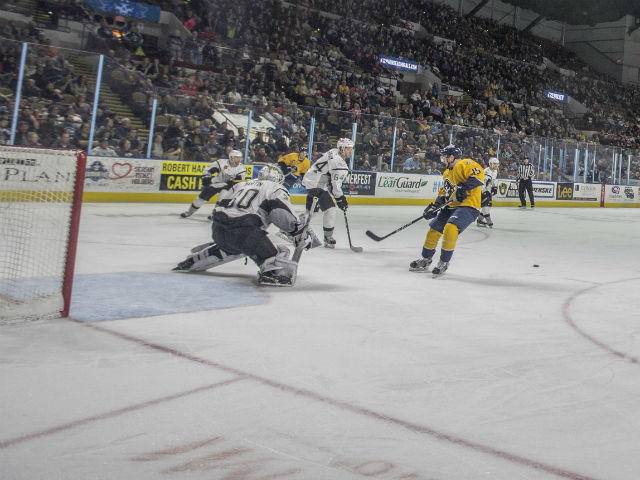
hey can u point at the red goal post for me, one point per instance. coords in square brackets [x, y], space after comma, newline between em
[40, 204]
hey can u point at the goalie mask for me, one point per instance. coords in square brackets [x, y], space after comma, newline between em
[272, 173]
[494, 163]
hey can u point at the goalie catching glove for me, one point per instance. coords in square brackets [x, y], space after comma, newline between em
[342, 203]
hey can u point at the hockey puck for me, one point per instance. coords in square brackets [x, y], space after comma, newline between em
[536, 265]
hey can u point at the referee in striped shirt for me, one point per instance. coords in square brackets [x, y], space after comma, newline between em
[525, 182]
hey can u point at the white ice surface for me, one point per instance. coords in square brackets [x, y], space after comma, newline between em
[498, 370]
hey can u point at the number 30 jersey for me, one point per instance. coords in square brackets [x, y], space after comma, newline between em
[259, 203]
[461, 172]
[327, 173]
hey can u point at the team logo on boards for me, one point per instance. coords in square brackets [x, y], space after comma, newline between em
[97, 171]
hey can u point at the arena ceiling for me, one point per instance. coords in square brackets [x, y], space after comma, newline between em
[581, 12]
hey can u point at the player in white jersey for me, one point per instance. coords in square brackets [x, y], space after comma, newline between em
[489, 189]
[218, 178]
[240, 223]
[324, 180]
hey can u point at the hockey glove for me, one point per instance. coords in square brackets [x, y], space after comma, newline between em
[206, 180]
[494, 190]
[440, 201]
[431, 211]
[461, 192]
[284, 168]
[342, 203]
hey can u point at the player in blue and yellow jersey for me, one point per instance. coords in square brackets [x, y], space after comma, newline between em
[294, 165]
[455, 208]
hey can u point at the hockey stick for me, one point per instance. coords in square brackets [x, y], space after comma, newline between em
[346, 223]
[377, 238]
[297, 253]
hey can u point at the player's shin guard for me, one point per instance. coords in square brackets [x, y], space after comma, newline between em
[328, 222]
[430, 243]
[449, 239]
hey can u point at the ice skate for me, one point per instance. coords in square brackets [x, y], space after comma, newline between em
[440, 269]
[329, 242]
[184, 266]
[420, 265]
[272, 279]
[189, 212]
[481, 222]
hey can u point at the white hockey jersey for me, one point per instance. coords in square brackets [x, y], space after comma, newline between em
[267, 200]
[490, 178]
[327, 173]
[225, 172]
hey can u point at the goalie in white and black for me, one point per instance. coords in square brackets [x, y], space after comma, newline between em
[489, 189]
[217, 179]
[240, 223]
[324, 180]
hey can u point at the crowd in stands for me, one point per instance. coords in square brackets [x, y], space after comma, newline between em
[320, 59]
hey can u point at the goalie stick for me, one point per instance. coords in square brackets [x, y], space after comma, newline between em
[297, 253]
[377, 238]
[346, 223]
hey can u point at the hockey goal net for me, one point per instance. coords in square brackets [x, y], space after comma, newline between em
[40, 200]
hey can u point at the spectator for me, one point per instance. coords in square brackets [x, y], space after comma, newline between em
[412, 163]
[103, 149]
[64, 141]
[157, 150]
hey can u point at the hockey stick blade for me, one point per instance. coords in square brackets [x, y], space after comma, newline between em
[373, 236]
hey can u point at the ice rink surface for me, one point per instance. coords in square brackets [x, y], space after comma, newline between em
[363, 370]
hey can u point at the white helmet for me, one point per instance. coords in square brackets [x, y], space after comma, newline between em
[272, 173]
[345, 143]
[494, 161]
[235, 157]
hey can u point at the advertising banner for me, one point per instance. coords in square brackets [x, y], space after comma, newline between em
[508, 189]
[564, 191]
[126, 8]
[586, 192]
[398, 63]
[556, 96]
[399, 185]
[621, 194]
[177, 176]
[33, 170]
[113, 174]
[360, 183]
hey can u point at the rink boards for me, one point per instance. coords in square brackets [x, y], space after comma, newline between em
[113, 179]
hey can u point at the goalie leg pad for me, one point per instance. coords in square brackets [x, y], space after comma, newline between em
[278, 270]
[211, 256]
